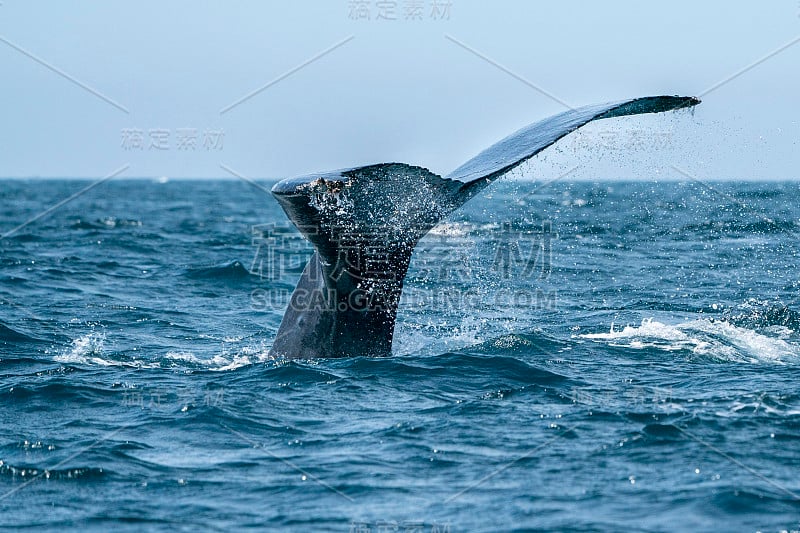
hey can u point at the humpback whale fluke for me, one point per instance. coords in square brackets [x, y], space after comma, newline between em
[364, 223]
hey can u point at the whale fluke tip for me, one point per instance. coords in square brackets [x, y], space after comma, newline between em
[650, 104]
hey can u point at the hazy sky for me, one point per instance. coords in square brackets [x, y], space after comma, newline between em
[151, 84]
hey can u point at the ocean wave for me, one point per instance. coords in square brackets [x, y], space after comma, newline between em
[775, 404]
[8, 335]
[104, 223]
[715, 229]
[415, 338]
[706, 337]
[228, 360]
[28, 473]
[88, 350]
[228, 271]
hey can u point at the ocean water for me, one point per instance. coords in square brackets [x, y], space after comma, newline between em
[581, 356]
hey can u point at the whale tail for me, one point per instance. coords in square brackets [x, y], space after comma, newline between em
[364, 223]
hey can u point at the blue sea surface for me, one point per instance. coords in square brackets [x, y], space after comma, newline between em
[575, 357]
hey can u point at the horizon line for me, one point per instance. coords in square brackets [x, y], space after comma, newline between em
[165, 179]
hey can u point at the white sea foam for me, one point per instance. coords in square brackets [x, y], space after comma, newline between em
[433, 338]
[230, 359]
[718, 339]
[88, 350]
[451, 229]
[85, 350]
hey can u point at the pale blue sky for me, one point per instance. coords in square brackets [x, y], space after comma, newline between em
[399, 90]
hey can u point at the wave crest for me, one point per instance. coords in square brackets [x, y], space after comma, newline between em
[719, 339]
